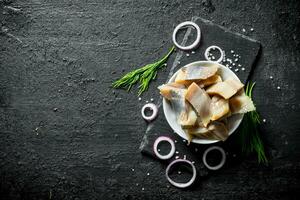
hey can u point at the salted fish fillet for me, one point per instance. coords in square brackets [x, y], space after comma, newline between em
[215, 131]
[200, 101]
[175, 93]
[188, 117]
[171, 90]
[223, 89]
[241, 103]
[219, 130]
[194, 73]
[209, 81]
[219, 107]
[236, 84]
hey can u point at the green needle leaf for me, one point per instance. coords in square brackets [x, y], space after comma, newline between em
[250, 136]
[143, 75]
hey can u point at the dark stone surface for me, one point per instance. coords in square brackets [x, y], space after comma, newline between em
[64, 54]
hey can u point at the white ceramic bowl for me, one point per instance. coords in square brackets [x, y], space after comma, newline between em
[233, 121]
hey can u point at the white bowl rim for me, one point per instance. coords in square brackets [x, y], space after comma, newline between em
[181, 133]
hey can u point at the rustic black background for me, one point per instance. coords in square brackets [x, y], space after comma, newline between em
[65, 134]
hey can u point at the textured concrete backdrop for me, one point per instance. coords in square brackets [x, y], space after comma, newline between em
[65, 134]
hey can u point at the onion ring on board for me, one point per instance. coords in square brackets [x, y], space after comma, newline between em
[152, 107]
[222, 160]
[213, 47]
[184, 24]
[181, 185]
[164, 139]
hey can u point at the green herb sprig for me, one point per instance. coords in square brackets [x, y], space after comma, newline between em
[250, 136]
[143, 75]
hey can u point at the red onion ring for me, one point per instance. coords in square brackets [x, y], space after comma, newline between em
[154, 109]
[214, 47]
[222, 160]
[181, 185]
[196, 42]
[166, 139]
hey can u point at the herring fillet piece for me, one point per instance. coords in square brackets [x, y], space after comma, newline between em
[241, 103]
[219, 130]
[223, 89]
[175, 94]
[236, 84]
[209, 81]
[215, 131]
[200, 101]
[219, 107]
[194, 73]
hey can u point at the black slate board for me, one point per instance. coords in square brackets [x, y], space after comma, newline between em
[212, 34]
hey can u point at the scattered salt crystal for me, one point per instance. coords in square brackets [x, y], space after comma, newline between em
[243, 68]
[239, 65]
[148, 174]
[184, 157]
[232, 51]
[278, 88]
[193, 162]
[187, 55]
[236, 70]
[236, 60]
[179, 172]
[193, 52]
[140, 98]
[178, 62]
[177, 152]
[176, 157]
[183, 140]
[147, 101]
[264, 120]
[213, 57]
[132, 169]
[151, 99]
[158, 150]
[143, 189]
[271, 77]
[244, 30]
[251, 29]
[165, 64]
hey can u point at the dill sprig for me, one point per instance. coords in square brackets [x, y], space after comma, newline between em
[250, 136]
[143, 75]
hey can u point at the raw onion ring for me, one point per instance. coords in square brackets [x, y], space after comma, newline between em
[222, 160]
[214, 47]
[164, 139]
[152, 107]
[181, 185]
[196, 42]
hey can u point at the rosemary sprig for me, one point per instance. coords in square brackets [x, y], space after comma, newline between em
[250, 137]
[143, 75]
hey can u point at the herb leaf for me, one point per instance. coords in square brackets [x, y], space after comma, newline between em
[143, 75]
[250, 136]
